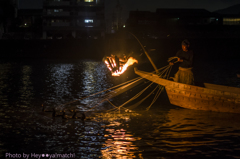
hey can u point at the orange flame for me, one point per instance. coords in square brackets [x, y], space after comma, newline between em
[122, 68]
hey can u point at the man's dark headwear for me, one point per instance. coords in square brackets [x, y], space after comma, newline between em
[185, 42]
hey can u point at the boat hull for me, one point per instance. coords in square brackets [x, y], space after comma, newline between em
[222, 88]
[194, 97]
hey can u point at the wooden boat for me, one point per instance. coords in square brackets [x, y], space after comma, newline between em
[222, 88]
[214, 98]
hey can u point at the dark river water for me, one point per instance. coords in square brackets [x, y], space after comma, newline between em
[165, 131]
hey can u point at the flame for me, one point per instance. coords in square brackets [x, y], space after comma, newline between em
[122, 68]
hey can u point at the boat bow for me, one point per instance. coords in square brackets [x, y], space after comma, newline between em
[152, 77]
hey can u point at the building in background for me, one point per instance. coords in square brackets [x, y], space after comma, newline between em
[185, 17]
[8, 13]
[73, 19]
[116, 18]
[231, 15]
[233, 20]
[143, 23]
[28, 24]
[164, 22]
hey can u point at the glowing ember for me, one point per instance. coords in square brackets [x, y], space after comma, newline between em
[119, 65]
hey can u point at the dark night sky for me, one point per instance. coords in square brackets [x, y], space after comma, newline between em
[148, 5]
[151, 5]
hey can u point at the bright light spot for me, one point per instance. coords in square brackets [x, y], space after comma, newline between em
[112, 66]
[88, 21]
[25, 24]
[124, 26]
[88, 0]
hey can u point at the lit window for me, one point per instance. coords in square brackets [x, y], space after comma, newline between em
[231, 21]
[88, 0]
[57, 10]
[88, 21]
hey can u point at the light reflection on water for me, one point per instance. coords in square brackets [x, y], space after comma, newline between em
[5, 78]
[185, 133]
[163, 132]
[26, 90]
[94, 74]
[66, 82]
[59, 81]
[119, 140]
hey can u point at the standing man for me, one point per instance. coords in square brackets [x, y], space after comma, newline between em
[185, 58]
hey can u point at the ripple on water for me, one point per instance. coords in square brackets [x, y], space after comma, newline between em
[163, 132]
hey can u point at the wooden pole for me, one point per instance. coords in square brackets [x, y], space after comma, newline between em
[149, 58]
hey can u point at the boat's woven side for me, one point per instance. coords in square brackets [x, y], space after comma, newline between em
[222, 88]
[194, 97]
[201, 100]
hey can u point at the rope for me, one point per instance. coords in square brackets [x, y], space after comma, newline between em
[138, 103]
[138, 78]
[156, 97]
[114, 106]
[108, 96]
[134, 97]
[165, 71]
[172, 58]
[135, 79]
[160, 88]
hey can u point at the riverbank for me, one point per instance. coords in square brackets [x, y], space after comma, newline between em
[204, 48]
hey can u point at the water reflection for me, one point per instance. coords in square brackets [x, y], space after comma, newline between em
[59, 82]
[26, 129]
[4, 77]
[95, 75]
[186, 133]
[26, 90]
[119, 140]
[68, 82]
[163, 132]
